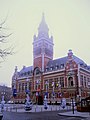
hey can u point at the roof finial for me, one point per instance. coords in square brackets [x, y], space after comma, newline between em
[70, 53]
[43, 16]
[16, 69]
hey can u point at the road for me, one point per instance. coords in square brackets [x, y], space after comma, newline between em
[47, 115]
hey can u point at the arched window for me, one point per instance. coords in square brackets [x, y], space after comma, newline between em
[70, 81]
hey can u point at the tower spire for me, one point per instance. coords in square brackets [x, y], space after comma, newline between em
[43, 17]
[43, 28]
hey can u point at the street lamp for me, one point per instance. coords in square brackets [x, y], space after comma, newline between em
[46, 84]
[37, 93]
[14, 89]
[59, 89]
[73, 104]
[3, 101]
[53, 94]
[46, 95]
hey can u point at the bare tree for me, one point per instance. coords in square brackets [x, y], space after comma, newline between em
[4, 52]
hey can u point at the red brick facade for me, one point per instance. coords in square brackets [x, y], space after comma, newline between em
[66, 77]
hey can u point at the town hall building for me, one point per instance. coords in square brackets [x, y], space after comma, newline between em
[66, 77]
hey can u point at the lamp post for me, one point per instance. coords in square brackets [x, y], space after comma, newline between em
[14, 89]
[37, 94]
[27, 88]
[2, 101]
[72, 102]
[53, 94]
[59, 86]
[46, 95]
[59, 89]
[46, 84]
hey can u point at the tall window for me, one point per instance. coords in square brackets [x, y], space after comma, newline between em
[46, 84]
[70, 82]
[30, 85]
[50, 83]
[88, 80]
[55, 82]
[85, 83]
[25, 86]
[22, 86]
[62, 81]
[19, 87]
[81, 80]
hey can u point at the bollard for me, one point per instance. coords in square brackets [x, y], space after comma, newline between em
[35, 109]
[56, 107]
[41, 109]
[16, 109]
[67, 107]
[59, 107]
[51, 108]
[6, 108]
[10, 109]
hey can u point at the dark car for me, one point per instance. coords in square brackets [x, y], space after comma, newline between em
[1, 115]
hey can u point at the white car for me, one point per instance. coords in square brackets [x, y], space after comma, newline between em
[10, 102]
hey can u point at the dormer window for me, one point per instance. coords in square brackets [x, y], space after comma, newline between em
[51, 68]
[62, 65]
[21, 74]
[85, 66]
[81, 64]
[28, 72]
[25, 73]
[56, 66]
[31, 71]
[47, 68]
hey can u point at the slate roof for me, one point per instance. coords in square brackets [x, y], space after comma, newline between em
[26, 71]
[78, 60]
[60, 63]
[53, 65]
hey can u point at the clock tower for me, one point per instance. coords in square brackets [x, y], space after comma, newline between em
[42, 46]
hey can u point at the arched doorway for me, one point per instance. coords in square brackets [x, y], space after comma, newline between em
[37, 83]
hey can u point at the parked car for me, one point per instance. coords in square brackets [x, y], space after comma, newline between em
[1, 115]
[10, 102]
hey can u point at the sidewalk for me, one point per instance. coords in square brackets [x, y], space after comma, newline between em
[76, 114]
[37, 108]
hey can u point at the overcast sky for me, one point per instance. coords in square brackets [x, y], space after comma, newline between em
[68, 22]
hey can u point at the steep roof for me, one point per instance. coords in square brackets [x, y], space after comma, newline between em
[57, 61]
[61, 62]
[54, 65]
[26, 69]
[78, 60]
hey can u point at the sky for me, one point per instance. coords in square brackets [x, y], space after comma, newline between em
[68, 22]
